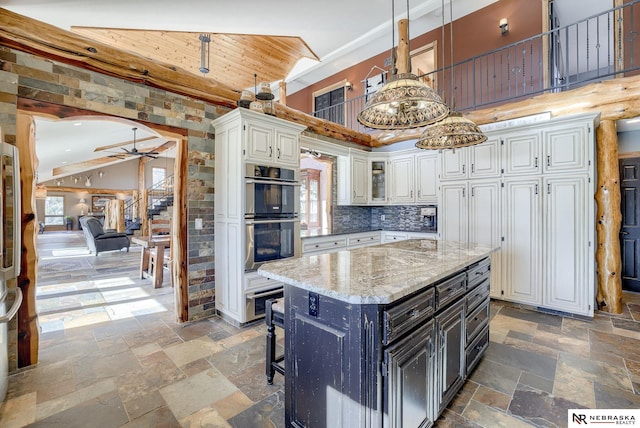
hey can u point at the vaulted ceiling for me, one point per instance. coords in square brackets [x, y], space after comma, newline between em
[234, 58]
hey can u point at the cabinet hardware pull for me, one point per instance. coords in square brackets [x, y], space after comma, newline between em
[473, 168]
[278, 152]
[418, 193]
[463, 168]
[548, 188]
[317, 245]
[270, 151]
[411, 194]
[463, 192]
[536, 189]
[548, 160]
[415, 313]
[624, 233]
[535, 162]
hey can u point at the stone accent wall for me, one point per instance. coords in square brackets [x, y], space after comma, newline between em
[398, 217]
[33, 77]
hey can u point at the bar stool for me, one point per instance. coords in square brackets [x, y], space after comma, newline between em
[274, 316]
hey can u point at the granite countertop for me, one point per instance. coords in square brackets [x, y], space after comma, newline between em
[379, 274]
[306, 234]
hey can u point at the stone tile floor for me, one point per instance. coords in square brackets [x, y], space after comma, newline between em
[112, 355]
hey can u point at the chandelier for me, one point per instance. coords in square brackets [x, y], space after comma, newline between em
[404, 101]
[454, 131]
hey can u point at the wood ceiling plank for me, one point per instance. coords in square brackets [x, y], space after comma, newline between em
[273, 56]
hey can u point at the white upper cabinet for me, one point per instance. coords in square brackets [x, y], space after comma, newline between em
[427, 170]
[271, 143]
[454, 164]
[522, 152]
[401, 179]
[484, 159]
[378, 180]
[565, 148]
[353, 183]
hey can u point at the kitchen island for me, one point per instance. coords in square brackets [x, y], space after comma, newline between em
[381, 336]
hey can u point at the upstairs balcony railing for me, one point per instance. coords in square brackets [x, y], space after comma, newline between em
[600, 47]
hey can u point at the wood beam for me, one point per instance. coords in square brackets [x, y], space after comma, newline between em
[608, 219]
[83, 166]
[36, 37]
[28, 330]
[614, 99]
[90, 190]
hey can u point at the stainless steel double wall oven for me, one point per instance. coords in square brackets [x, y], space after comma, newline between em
[272, 225]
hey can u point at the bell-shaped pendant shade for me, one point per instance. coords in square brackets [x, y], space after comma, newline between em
[451, 133]
[403, 103]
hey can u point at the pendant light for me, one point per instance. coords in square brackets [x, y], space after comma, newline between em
[404, 102]
[454, 131]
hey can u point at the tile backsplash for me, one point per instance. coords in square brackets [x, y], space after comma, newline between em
[397, 217]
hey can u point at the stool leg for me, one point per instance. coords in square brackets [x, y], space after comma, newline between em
[271, 345]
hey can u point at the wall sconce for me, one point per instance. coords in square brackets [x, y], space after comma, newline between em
[348, 86]
[81, 202]
[88, 182]
[75, 179]
[504, 26]
[100, 174]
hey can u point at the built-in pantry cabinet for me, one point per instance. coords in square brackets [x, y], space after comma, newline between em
[529, 191]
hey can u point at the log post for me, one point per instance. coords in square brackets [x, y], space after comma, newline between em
[283, 93]
[608, 220]
[28, 330]
[179, 249]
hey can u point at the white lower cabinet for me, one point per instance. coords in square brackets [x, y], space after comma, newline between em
[521, 249]
[453, 211]
[567, 240]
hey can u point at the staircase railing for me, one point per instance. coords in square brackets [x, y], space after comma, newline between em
[157, 191]
[597, 48]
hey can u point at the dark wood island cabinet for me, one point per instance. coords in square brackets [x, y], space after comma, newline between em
[382, 336]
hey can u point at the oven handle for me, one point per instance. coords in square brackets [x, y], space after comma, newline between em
[284, 220]
[266, 293]
[274, 182]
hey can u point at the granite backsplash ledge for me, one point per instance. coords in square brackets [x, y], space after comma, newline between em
[349, 218]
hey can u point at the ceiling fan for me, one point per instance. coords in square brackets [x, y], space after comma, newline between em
[134, 151]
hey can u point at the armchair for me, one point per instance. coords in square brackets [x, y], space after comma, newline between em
[98, 240]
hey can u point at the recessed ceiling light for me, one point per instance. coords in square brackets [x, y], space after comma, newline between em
[67, 150]
[77, 124]
[64, 162]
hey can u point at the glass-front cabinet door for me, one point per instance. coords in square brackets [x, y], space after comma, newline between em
[377, 180]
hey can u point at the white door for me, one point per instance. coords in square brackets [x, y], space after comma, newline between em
[454, 218]
[522, 153]
[359, 182]
[427, 178]
[485, 159]
[454, 164]
[485, 224]
[401, 180]
[259, 142]
[287, 149]
[521, 259]
[565, 148]
[566, 245]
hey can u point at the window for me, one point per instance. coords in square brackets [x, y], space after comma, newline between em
[423, 63]
[54, 210]
[310, 214]
[328, 104]
[158, 175]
